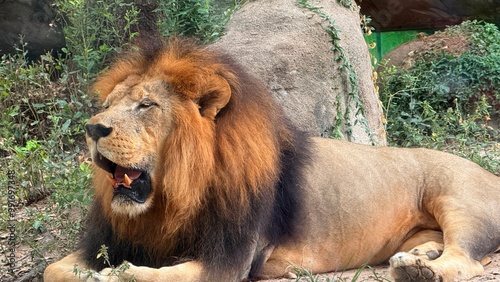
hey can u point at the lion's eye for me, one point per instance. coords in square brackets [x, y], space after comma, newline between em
[146, 103]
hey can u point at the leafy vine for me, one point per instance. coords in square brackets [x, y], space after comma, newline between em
[341, 58]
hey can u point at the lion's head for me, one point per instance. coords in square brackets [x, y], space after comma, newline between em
[181, 126]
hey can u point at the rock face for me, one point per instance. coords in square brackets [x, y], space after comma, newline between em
[35, 20]
[286, 46]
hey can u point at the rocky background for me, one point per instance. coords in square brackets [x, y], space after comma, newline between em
[287, 47]
[33, 22]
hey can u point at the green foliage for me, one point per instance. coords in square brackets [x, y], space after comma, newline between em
[41, 132]
[35, 107]
[44, 170]
[198, 18]
[41, 122]
[116, 273]
[446, 100]
[24, 89]
[347, 3]
[40, 118]
[95, 30]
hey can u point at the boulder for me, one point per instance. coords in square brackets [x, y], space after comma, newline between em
[35, 21]
[287, 47]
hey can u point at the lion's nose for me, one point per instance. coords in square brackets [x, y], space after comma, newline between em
[96, 131]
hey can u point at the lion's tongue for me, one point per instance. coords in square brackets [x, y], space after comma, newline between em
[121, 171]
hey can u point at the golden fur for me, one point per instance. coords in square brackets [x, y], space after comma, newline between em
[199, 176]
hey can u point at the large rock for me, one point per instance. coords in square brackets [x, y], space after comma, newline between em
[35, 21]
[286, 46]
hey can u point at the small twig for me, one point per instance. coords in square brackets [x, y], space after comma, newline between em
[33, 273]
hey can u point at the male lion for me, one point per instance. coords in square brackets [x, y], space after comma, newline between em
[199, 176]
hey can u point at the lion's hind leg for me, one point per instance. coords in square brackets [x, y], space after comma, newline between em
[427, 244]
[430, 250]
[451, 265]
[409, 264]
[409, 267]
[466, 241]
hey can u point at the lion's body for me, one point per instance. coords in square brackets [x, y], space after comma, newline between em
[199, 176]
[386, 195]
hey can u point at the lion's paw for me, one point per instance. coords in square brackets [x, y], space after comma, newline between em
[106, 275]
[428, 251]
[98, 277]
[430, 254]
[406, 267]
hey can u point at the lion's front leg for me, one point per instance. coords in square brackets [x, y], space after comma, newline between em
[64, 270]
[191, 271]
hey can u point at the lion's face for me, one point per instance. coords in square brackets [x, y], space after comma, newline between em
[124, 140]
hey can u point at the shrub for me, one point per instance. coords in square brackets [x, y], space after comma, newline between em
[446, 99]
[95, 30]
[204, 19]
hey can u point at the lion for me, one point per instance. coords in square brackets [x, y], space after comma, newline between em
[200, 176]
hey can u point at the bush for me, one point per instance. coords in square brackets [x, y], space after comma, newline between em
[41, 119]
[95, 30]
[446, 99]
[203, 19]
[444, 95]
[41, 136]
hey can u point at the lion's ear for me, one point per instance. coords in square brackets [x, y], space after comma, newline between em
[215, 96]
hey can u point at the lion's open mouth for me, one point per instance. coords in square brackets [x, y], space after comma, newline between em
[135, 184]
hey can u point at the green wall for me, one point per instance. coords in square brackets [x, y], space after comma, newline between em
[386, 41]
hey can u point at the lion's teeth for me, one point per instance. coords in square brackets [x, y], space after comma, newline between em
[111, 181]
[127, 180]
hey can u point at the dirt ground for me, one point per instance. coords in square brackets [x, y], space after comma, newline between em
[491, 273]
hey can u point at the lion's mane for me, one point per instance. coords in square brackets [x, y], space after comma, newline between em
[222, 178]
